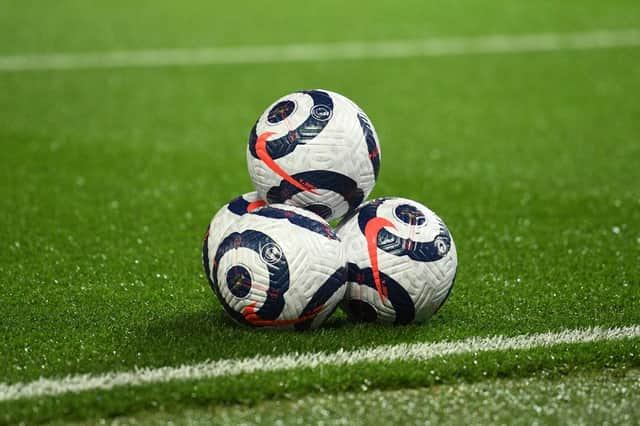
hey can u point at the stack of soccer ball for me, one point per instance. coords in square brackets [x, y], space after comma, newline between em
[273, 260]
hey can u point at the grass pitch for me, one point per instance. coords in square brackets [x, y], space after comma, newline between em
[596, 398]
[108, 179]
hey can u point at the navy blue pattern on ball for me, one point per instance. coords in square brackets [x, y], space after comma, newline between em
[322, 295]
[372, 145]
[410, 215]
[296, 219]
[319, 179]
[317, 120]
[238, 281]
[319, 209]
[399, 297]
[205, 259]
[420, 251]
[280, 111]
[278, 273]
[207, 271]
[238, 206]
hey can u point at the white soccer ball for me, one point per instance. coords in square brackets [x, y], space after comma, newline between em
[402, 261]
[279, 266]
[228, 214]
[314, 149]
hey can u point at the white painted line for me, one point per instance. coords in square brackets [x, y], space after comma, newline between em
[259, 364]
[540, 42]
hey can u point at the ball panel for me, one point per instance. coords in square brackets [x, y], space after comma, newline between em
[288, 135]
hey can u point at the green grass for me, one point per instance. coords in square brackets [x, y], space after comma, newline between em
[108, 179]
[256, 388]
[72, 25]
[610, 396]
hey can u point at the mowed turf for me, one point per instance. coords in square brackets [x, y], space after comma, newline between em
[610, 396]
[108, 180]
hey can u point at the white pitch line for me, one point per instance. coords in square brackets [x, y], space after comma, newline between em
[540, 42]
[260, 364]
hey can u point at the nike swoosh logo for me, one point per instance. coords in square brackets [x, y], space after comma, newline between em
[263, 154]
[371, 234]
[255, 205]
[250, 315]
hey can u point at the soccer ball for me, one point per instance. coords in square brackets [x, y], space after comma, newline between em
[314, 149]
[401, 261]
[228, 214]
[279, 266]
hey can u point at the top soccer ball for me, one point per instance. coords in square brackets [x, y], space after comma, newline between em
[314, 149]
